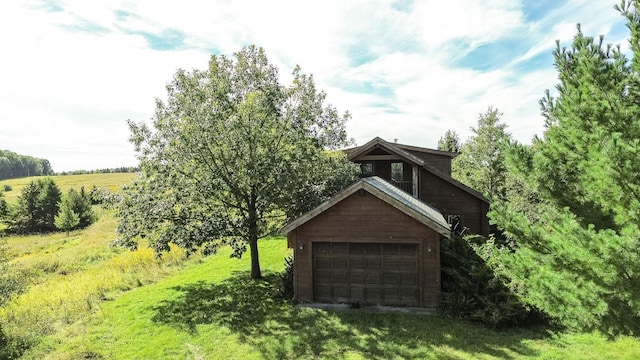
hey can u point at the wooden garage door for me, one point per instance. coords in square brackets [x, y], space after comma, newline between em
[368, 273]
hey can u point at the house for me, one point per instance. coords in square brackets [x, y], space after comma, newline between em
[378, 241]
[426, 174]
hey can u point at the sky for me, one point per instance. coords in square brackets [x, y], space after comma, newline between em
[73, 72]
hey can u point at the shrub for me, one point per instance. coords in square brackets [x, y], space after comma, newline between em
[4, 207]
[286, 279]
[6, 187]
[472, 291]
[100, 195]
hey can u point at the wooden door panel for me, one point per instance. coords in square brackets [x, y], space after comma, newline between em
[369, 273]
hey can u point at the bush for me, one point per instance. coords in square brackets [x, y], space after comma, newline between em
[6, 187]
[472, 291]
[286, 279]
[4, 207]
[100, 195]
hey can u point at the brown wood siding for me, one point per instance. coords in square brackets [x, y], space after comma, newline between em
[440, 162]
[451, 200]
[364, 219]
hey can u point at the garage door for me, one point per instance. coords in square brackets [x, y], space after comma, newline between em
[367, 273]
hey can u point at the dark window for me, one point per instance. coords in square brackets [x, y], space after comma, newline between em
[397, 171]
[366, 169]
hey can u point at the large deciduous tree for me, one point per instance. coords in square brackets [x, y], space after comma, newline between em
[232, 154]
[579, 262]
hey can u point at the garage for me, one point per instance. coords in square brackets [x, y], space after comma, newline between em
[367, 273]
[370, 244]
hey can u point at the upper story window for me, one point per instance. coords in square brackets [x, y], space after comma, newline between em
[397, 171]
[366, 169]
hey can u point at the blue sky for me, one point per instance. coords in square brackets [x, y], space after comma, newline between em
[73, 72]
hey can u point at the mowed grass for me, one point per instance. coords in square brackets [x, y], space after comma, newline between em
[111, 181]
[213, 310]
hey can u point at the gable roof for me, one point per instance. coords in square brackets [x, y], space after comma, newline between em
[399, 150]
[413, 207]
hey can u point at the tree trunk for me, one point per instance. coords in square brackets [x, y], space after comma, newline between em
[256, 273]
[255, 260]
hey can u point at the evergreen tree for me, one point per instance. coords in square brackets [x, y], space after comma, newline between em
[36, 208]
[579, 261]
[67, 219]
[48, 201]
[81, 205]
[481, 163]
[449, 142]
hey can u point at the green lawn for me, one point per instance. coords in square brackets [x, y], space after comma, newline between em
[212, 310]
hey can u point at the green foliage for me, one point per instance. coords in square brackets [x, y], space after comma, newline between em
[579, 261]
[6, 187]
[80, 203]
[233, 154]
[11, 282]
[472, 291]
[481, 163]
[286, 279]
[67, 219]
[13, 165]
[100, 195]
[450, 142]
[37, 206]
[4, 207]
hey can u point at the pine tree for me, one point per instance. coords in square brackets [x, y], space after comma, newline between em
[579, 261]
[37, 206]
[449, 142]
[81, 205]
[481, 163]
[67, 219]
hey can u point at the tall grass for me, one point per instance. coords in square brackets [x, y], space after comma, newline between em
[111, 181]
[69, 277]
[62, 300]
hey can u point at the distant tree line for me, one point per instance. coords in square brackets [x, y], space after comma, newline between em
[14, 165]
[122, 169]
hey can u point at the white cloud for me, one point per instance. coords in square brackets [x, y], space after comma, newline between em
[71, 78]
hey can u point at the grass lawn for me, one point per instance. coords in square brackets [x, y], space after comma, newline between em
[212, 310]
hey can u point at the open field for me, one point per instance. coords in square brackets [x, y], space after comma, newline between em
[111, 181]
